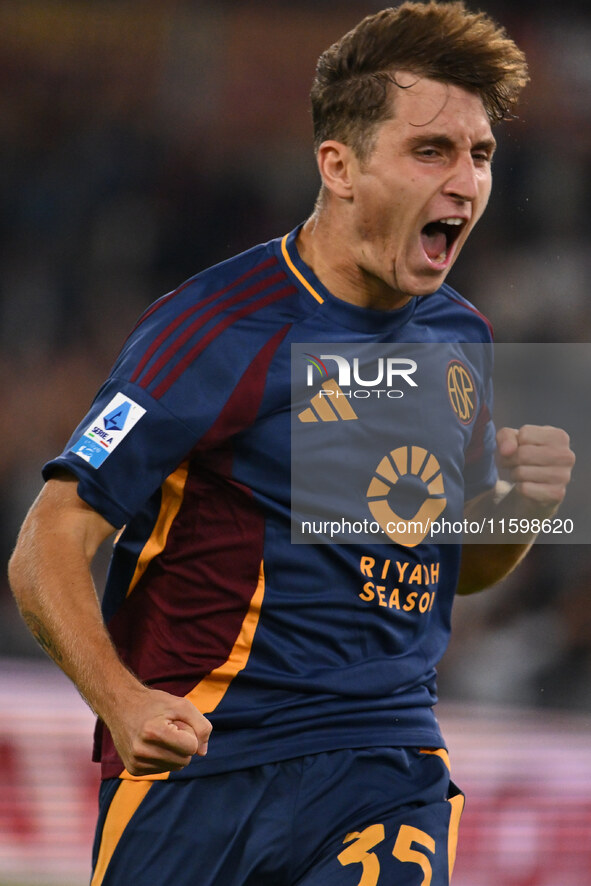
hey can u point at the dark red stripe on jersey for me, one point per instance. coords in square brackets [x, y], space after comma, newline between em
[474, 311]
[204, 318]
[244, 402]
[216, 330]
[172, 327]
[182, 619]
[160, 303]
[475, 449]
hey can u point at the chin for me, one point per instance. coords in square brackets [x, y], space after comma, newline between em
[425, 287]
[425, 281]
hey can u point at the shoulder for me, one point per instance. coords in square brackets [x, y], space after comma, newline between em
[253, 278]
[454, 315]
[231, 308]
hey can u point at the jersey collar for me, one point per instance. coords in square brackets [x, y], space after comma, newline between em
[342, 312]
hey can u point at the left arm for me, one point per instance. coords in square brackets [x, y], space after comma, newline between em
[539, 461]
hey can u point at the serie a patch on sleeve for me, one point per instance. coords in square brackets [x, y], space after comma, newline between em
[107, 431]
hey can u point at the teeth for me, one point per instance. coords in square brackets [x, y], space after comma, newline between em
[450, 221]
[441, 258]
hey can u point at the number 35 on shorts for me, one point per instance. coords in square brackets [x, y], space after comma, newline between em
[411, 845]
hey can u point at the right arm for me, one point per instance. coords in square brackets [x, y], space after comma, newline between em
[50, 577]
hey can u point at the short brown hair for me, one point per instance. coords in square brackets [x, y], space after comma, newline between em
[442, 41]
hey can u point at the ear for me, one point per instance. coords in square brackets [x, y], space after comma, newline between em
[334, 162]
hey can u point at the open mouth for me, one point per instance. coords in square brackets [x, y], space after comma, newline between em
[439, 237]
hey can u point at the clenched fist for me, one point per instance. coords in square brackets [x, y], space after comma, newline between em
[539, 462]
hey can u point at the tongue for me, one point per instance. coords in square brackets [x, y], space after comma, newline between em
[434, 242]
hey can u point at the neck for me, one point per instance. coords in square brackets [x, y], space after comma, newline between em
[327, 248]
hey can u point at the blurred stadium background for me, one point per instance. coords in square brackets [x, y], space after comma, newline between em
[143, 140]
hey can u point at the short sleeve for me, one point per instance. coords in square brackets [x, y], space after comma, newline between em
[168, 386]
[480, 470]
[123, 450]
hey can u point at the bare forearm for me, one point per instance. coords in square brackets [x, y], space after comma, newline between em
[539, 462]
[52, 585]
[486, 564]
[50, 576]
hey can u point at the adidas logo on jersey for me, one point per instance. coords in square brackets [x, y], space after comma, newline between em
[329, 404]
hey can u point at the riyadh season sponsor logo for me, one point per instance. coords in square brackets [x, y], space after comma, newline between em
[107, 431]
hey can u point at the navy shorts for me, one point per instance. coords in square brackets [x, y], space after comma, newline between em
[372, 817]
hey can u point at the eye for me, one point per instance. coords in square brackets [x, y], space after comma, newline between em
[429, 153]
[482, 157]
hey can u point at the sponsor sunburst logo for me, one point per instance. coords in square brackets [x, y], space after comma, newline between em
[407, 461]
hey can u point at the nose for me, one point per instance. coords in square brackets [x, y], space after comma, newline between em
[462, 182]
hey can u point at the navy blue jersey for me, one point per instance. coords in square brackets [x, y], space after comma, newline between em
[289, 649]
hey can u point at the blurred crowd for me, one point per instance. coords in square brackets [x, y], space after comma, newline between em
[143, 140]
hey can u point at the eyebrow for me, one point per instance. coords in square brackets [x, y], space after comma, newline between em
[444, 141]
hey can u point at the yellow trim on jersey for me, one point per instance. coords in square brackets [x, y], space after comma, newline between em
[457, 807]
[124, 804]
[295, 271]
[156, 776]
[207, 695]
[173, 490]
[438, 752]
